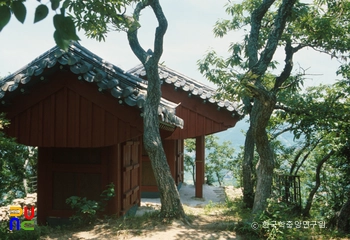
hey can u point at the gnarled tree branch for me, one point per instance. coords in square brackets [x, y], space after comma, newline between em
[306, 211]
[291, 110]
[304, 158]
[160, 31]
[256, 19]
[274, 36]
[288, 67]
[132, 33]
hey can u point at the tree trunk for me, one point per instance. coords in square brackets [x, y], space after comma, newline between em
[247, 168]
[264, 99]
[25, 182]
[169, 196]
[261, 112]
[170, 199]
[193, 175]
[219, 178]
[306, 211]
[343, 221]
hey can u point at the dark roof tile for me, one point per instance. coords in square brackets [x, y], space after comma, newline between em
[88, 66]
[190, 85]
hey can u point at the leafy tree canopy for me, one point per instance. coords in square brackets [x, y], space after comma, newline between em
[252, 75]
[322, 25]
[95, 17]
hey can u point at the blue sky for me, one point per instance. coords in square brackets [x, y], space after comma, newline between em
[188, 37]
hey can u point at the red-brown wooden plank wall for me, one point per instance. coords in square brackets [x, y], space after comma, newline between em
[66, 119]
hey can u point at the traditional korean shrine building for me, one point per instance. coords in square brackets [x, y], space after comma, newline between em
[85, 116]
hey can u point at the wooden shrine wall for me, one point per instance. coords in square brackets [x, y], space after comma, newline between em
[71, 113]
[85, 172]
[200, 118]
[174, 154]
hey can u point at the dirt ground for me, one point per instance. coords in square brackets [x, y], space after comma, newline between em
[208, 223]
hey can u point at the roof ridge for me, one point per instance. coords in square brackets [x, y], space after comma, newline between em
[189, 78]
[190, 85]
[11, 75]
[162, 67]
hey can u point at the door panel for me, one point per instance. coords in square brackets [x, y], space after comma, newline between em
[131, 175]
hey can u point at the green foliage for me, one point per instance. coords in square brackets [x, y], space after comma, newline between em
[322, 28]
[219, 159]
[97, 17]
[318, 117]
[65, 27]
[12, 7]
[4, 229]
[65, 30]
[107, 194]
[280, 221]
[276, 212]
[334, 190]
[55, 4]
[237, 170]
[19, 10]
[87, 210]
[327, 26]
[17, 162]
[320, 108]
[41, 13]
[6, 234]
[190, 166]
[5, 16]
[209, 207]
[248, 73]
[21, 234]
[189, 157]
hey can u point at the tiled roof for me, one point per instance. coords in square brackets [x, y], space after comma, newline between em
[187, 84]
[91, 68]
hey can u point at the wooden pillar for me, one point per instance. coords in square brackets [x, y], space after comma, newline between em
[113, 170]
[200, 165]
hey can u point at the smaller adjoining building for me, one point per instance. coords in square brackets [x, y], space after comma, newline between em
[85, 115]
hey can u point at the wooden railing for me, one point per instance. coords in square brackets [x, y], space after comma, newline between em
[33, 184]
[288, 188]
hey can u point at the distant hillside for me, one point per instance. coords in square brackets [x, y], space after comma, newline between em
[236, 135]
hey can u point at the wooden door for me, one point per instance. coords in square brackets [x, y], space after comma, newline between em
[131, 175]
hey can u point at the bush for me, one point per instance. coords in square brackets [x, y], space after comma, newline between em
[86, 210]
[271, 224]
[6, 234]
